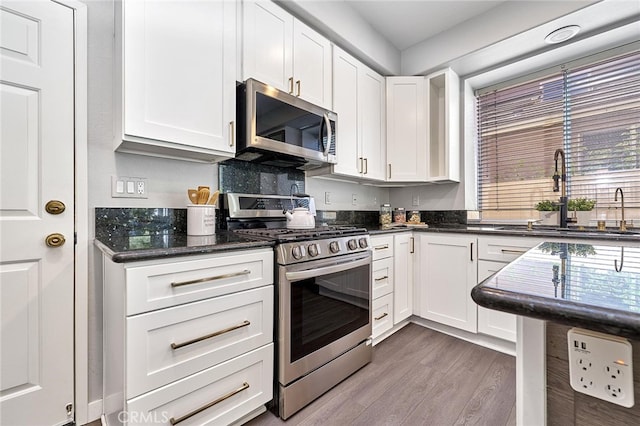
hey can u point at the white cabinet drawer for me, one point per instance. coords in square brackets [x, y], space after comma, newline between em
[171, 283]
[504, 249]
[382, 318]
[169, 344]
[382, 246]
[382, 277]
[239, 386]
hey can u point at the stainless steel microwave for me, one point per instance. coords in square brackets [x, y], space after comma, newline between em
[279, 129]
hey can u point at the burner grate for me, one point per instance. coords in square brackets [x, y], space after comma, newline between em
[285, 234]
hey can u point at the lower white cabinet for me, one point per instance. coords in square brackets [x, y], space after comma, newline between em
[447, 274]
[204, 355]
[403, 250]
[494, 253]
[382, 283]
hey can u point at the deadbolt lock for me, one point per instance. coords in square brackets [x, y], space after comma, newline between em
[55, 240]
[54, 207]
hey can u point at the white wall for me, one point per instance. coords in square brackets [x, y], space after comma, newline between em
[341, 195]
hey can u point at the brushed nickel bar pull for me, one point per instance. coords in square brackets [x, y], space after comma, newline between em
[175, 421]
[381, 278]
[217, 277]
[291, 85]
[389, 170]
[471, 251]
[366, 166]
[513, 251]
[361, 168]
[381, 316]
[413, 245]
[298, 88]
[232, 135]
[386, 246]
[244, 323]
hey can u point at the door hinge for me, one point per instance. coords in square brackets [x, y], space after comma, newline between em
[75, 238]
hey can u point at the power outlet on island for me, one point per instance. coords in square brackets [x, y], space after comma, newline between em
[600, 366]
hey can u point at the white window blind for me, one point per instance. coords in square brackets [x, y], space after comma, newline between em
[591, 111]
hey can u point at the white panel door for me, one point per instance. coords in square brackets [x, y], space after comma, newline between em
[492, 322]
[37, 148]
[403, 246]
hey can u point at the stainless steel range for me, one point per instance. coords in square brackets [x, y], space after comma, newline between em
[323, 302]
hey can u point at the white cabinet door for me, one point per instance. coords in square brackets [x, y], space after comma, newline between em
[406, 129]
[179, 69]
[403, 246]
[492, 322]
[285, 53]
[268, 44]
[371, 100]
[311, 65]
[359, 101]
[447, 275]
[345, 104]
[382, 277]
[382, 315]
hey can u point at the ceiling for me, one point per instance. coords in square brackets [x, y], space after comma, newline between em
[405, 23]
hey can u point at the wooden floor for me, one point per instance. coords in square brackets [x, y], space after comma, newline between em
[418, 377]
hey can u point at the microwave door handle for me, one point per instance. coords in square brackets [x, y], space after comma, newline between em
[327, 123]
[316, 272]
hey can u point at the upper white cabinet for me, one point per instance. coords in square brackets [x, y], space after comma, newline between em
[443, 126]
[283, 52]
[359, 101]
[175, 79]
[423, 141]
[406, 129]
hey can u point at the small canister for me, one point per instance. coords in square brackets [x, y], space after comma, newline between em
[385, 214]
[414, 217]
[399, 215]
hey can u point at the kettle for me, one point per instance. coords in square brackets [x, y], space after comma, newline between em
[300, 218]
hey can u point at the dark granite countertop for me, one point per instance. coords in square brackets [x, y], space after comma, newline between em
[146, 247]
[584, 285]
[537, 231]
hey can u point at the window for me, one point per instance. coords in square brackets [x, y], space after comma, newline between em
[590, 111]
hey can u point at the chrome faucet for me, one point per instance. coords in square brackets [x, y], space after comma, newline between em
[556, 187]
[623, 224]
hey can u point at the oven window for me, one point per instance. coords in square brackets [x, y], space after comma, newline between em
[326, 308]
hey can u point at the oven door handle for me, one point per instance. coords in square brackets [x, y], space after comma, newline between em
[315, 272]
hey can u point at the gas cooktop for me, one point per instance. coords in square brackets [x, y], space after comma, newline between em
[288, 235]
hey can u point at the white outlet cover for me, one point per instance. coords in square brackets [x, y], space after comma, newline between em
[600, 365]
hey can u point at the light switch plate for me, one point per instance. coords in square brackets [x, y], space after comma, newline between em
[129, 187]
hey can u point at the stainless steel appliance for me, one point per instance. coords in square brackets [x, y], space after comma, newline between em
[323, 306]
[279, 129]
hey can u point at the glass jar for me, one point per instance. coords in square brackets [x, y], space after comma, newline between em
[385, 214]
[399, 215]
[414, 217]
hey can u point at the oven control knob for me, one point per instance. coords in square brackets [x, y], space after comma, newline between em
[363, 243]
[352, 244]
[334, 247]
[297, 252]
[313, 250]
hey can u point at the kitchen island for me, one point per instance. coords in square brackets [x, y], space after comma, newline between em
[556, 286]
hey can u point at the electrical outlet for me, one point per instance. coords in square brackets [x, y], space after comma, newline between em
[327, 197]
[128, 187]
[415, 200]
[354, 199]
[600, 365]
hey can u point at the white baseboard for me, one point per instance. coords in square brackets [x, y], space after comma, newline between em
[490, 342]
[94, 410]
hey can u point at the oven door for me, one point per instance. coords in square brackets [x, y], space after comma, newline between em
[324, 310]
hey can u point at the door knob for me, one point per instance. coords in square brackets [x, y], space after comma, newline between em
[55, 240]
[54, 207]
